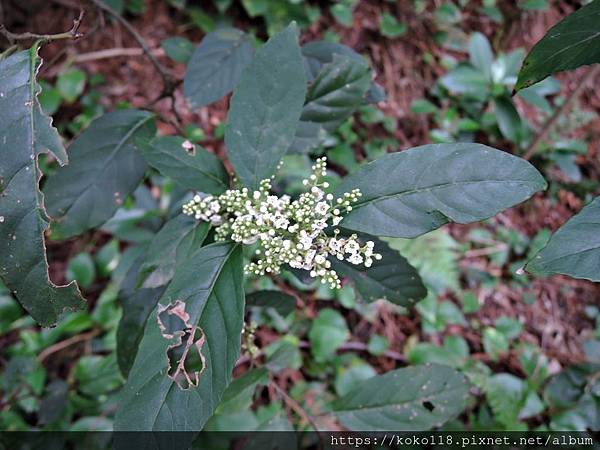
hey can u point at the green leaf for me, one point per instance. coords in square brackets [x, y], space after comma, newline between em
[508, 119]
[71, 84]
[378, 345]
[506, 396]
[391, 278]
[95, 424]
[509, 327]
[480, 54]
[105, 168]
[348, 378]
[137, 307]
[176, 241]
[284, 304]
[447, 14]
[412, 399]
[422, 106]
[319, 53]
[337, 91]
[533, 5]
[107, 258]
[436, 256]
[54, 402]
[574, 249]
[255, 8]
[238, 395]
[25, 132]
[178, 48]
[466, 80]
[265, 108]
[453, 353]
[495, 343]
[390, 27]
[573, 42]
[409, 193]
[284, 354]
[97, 375]
[216, 65]
[342, 12]
[81, 268]
[565, 388]
[188, 164]
[327, 333]
[49, 98]
[208, 288]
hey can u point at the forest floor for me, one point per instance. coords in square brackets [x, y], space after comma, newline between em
[556, 321]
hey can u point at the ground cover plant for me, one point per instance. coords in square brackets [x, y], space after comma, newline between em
[257, 242]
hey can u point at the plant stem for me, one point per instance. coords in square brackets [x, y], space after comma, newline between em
[73, 33]
[532, 149]
[67, 343]
[295, 406]
[168, 81]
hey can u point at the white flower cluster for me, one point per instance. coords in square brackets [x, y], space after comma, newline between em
[290, 231]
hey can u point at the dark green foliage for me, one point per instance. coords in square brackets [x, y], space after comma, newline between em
[105, 167]
[573, 42]
[409, 193]
[26, 133]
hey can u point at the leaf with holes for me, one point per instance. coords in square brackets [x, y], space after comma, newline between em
[265, 108]
[188, 164]
[412, 399]
[574, 249]
[25, 133]
[209, 289]
[573, 42]
[216, 66]
[106, 166]
[409, 193]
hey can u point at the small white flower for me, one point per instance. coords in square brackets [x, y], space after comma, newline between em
[351, 247]
[322, 208]
[214, 206]
[355, 259]
[281, 222]
[335, 245]
[290, 231]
